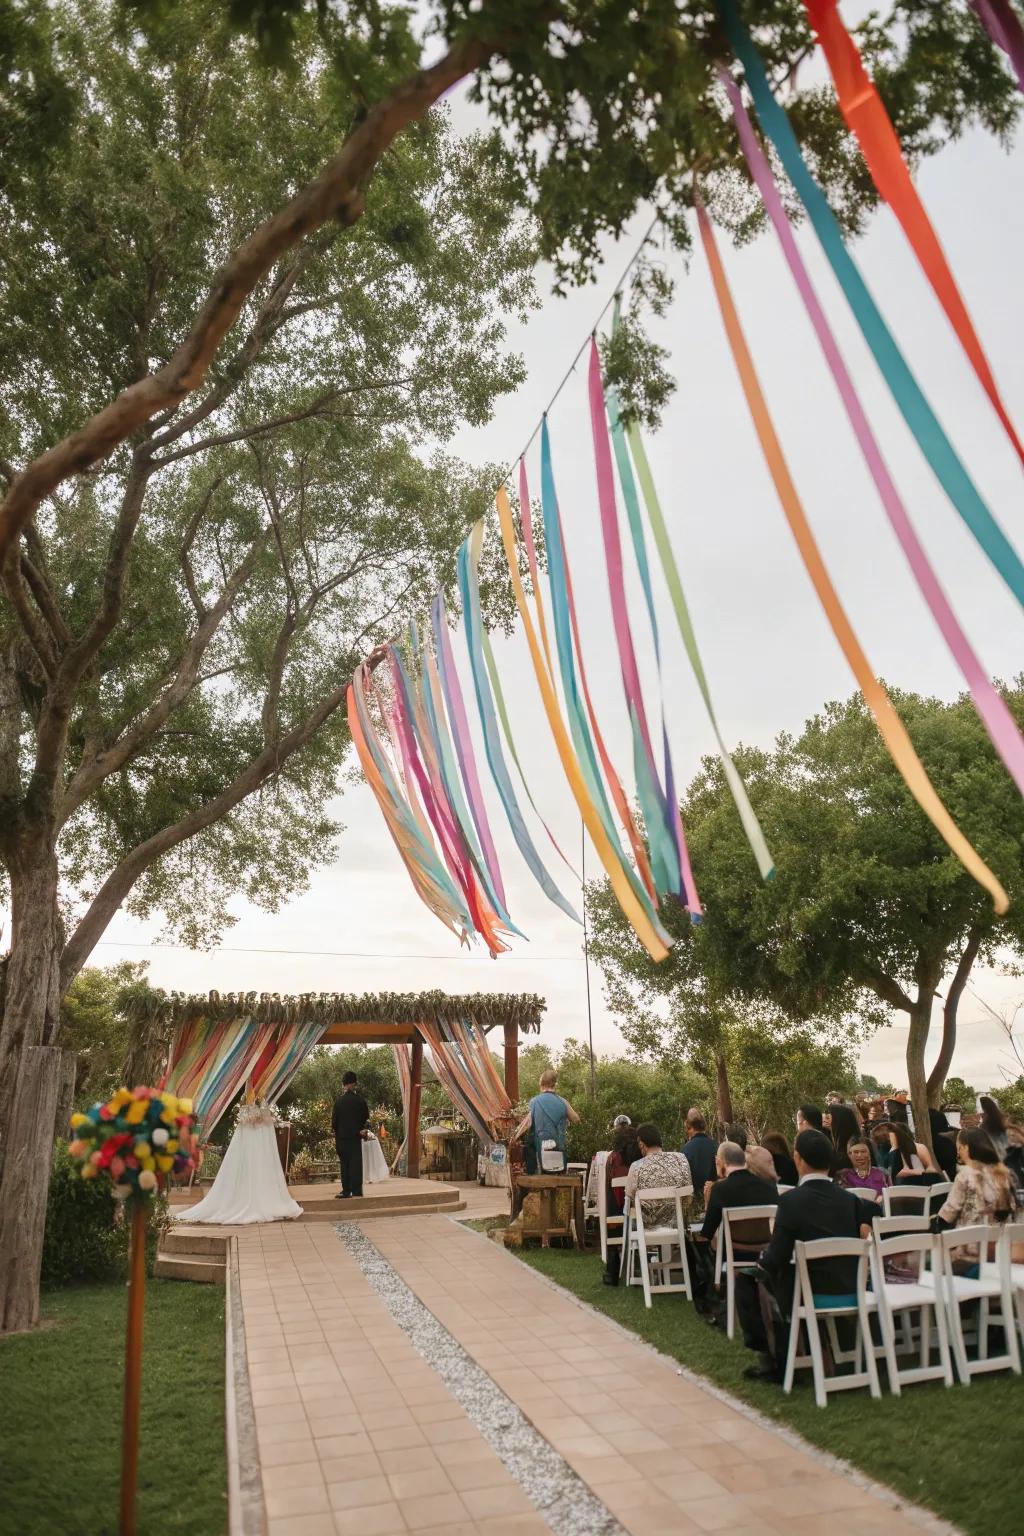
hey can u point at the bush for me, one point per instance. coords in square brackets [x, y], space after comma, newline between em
[84, 1238]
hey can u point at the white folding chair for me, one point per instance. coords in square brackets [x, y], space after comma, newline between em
[652, 1250]
[808, 1308]
[993, 1286]
[591, 1193]
[937, 1196]
[784, 1189]
[725, 1254]
[1011, 1234]
[897, 1299]
[906, 1200]
[609, 1221]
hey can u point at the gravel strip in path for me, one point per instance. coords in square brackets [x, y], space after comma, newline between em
[563, 1498]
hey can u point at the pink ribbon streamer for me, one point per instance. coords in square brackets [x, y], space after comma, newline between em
[992, 709]
[1003, 26]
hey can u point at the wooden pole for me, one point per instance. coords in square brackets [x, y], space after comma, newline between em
[412, 1130]
[512, 1060]
[133, 1366]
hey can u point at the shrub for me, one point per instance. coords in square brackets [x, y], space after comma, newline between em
[84, 1239]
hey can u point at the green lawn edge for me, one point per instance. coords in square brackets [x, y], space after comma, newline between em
[60, 1414]
[955, 1451]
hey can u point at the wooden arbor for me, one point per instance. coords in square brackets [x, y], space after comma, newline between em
[385, 1018]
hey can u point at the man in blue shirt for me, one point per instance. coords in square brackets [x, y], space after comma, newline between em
[547, 1121]
[699, 1150]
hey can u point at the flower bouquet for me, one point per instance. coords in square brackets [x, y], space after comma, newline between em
[141, 1138]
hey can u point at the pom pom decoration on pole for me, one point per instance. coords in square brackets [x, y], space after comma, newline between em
[141, 1139]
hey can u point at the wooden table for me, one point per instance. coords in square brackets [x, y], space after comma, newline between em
[548, 1184]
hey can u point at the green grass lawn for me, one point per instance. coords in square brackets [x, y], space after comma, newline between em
[60, 1415]
[957, 1450]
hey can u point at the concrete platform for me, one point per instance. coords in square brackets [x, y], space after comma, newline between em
[395, 1197]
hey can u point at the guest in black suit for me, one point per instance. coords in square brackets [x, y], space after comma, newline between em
[815, 1209]
[348, 1122]
[736, 1186]
[808, 1118]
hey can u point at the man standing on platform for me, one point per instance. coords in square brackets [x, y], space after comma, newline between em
[348, 1122]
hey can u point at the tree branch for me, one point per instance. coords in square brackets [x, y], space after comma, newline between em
[888, 989]
[242, 434]
[337, 193]
[121, 879]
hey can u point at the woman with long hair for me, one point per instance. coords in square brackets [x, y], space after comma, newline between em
[785, 1168]
[994, 1122]
[844, 1128]
[984, 1191]
[910, 1161]
[624, 1153]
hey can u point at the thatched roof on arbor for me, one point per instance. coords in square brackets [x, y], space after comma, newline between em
[157, 1007]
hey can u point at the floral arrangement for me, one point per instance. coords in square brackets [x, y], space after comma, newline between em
[259, 1113]
[140, 1137]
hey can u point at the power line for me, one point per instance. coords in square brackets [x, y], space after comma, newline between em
[336, 954]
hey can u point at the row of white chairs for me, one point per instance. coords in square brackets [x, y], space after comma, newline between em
[907, 1311]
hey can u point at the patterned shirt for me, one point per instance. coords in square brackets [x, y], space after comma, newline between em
[660, 1170]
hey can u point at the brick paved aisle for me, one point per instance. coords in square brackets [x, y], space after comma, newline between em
[358, 1434]
[665, 1455]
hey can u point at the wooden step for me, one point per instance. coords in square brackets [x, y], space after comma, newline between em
[199, 1268]
[434, 1197]
[194, 1241]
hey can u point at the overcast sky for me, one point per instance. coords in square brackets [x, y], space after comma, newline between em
[769, 654]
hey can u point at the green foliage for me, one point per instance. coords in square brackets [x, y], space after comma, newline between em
[771, 1073]
[63, 1386]
[95, 1025]
[84, 1242]
[1010, 1097]
[960, 1095]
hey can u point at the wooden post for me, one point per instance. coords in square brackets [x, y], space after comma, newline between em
[133, 1366]
[412, 1130]
[512, 1061]
[22, 1191]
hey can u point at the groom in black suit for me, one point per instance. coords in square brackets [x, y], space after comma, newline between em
[816, 1208]
[348, 1122]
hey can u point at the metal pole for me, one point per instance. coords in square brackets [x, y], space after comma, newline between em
[586, 954]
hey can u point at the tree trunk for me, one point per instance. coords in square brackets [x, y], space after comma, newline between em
[917, 1039]
[723, 1094]
[24, 1188]
[29, 1078]
[65, 1095]
[937, 1076]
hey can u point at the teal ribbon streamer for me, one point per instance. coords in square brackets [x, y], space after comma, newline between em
[903, 386]
[470, 591]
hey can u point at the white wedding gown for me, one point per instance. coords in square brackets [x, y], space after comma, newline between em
[250, 1184]
[375, 1164]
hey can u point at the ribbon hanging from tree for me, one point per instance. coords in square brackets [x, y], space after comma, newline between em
[469, 586]
[990, 705]
[906, 392]
[866, 117]
[1004, 27]
[666, 842]
[633, 899]
[892, 729]
[406, 823]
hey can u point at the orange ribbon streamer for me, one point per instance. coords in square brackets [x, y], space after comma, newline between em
[891, 727]
[866, 117]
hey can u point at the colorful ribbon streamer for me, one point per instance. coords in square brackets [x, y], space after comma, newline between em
[891, 727]
[631, 897]
[991, 707]
[902, 384]
[670, 861]
[1003, 26]
[749, 821]
[469, 586]
[867, 119]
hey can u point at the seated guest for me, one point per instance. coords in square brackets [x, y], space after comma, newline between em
[808, 1118]
[994, 1121]
[736, 1186]
[943, 1143]
[862, 1176]
[910, 1161]
[1014, 1158]
[658, 1169]
[816, 1208]
[624, 1153]
[896, 1109]
[984, 1191]
[761, 1164]
[882, 1143]
[844, 1127]
[699, 1150]
[778, 1146]
[738, 1134]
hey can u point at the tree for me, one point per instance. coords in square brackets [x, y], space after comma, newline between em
[96, 1029]
[869, 910]
[239, 344]
[960, 1095]
[773, 1072]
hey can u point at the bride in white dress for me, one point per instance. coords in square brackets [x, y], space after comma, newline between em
[250, 1184]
